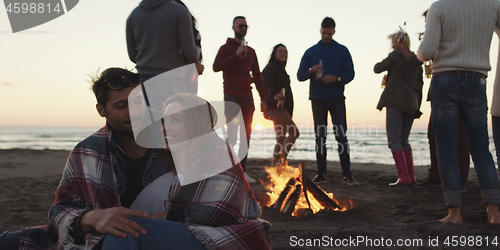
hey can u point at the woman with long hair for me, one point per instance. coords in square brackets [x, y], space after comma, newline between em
[279, 100]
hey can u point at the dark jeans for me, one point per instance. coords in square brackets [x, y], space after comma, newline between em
[161, 234]
[464, 97]
[336, 107]
[247, 110]
[495, 121]
[10, 240]
[463, 156]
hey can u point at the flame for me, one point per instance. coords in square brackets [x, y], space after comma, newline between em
[277, 180]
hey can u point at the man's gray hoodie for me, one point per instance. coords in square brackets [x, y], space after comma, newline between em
[160, 37]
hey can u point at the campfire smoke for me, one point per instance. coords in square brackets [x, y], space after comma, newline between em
[291, 192]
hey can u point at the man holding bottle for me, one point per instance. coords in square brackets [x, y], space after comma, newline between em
[328, 65]
[236, 60]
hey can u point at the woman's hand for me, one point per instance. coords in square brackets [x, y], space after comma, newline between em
[279, 97]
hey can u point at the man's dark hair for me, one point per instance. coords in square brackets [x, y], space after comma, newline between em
[234, 20]
[425, 13]
[100, 86]
[328, 22]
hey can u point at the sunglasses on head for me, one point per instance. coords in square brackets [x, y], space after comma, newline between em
[119, 82]
[241, 26]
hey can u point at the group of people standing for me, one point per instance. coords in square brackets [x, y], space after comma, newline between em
[328, 65]
[457, 39]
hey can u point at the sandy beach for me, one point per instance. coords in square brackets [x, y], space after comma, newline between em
[382, 215]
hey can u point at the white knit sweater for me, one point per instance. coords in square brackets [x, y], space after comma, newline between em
[495, 103]
[458, 34]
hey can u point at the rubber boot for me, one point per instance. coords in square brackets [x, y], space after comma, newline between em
[399, 159]
[409, 166]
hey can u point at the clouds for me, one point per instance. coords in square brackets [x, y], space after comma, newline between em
[11, 84]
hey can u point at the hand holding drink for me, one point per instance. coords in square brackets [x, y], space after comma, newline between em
[242, 50]
[319, 75]
[281, 98]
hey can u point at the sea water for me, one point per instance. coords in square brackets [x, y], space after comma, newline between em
[366, 146]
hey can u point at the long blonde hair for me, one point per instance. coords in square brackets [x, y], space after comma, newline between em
[396, 36]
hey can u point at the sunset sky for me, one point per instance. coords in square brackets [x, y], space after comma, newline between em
[44, 71]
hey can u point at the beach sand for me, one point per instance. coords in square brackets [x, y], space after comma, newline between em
[28, 179]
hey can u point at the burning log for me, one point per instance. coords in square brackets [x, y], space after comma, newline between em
[288, 188]
[292, 201]
[302, 168]
[319, 195]
[315, 191]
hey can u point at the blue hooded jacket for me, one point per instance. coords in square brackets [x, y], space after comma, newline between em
[337, 61]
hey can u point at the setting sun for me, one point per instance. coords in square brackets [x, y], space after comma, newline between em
[258, 126]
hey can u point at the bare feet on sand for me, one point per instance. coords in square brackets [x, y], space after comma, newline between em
[493, 214]
[454, 215]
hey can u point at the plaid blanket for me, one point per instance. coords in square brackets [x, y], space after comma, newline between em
[220, 211]
[89, 182]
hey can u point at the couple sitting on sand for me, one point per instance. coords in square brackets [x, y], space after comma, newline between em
[191, 195]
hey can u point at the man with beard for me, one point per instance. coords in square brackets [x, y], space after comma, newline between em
[236, 60]
[103, 175]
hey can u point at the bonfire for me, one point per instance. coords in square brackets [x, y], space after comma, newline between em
[291, 192]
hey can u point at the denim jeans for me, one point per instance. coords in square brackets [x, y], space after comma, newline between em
[495, 122]
[451, 97]
[160, 234]
[336, 107]
[10, 240]
[398, 126]
[463, 155]
[247, 109]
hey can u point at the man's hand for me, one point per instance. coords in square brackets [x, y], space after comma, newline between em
[242, 51]
[328, 79]
[111, 220]
[315, 69]
[263, 106]
[200, 68]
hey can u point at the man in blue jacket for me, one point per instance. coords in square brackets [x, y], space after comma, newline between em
[329, 67]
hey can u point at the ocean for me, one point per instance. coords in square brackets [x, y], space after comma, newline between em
[366, 145]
